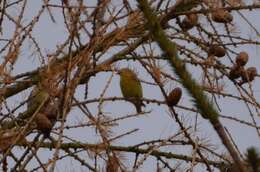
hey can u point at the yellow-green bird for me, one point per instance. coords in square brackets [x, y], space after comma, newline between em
[131, 88]
[36, 98]
[45, 119]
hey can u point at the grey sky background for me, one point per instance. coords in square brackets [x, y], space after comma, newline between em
[154, 125]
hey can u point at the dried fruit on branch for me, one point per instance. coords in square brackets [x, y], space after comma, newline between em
[236, 72]
[216, 51]
[248, 75]
[221, 16]
[189, 22]
[174, 96]
[242, 58]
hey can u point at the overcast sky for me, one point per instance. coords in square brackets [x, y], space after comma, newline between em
[158, 123]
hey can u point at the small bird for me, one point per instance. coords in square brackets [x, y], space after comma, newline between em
[44, 125]
[131, 88]
[37, 96]
[52, 109]
[46, 117]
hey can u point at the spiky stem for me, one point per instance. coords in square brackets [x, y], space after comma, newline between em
[207, 110]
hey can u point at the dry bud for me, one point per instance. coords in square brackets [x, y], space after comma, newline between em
[236, 71]
[174, 96]
[216, 51]
[242, 58]
[221, 16]
[248, 75]
[189, 22]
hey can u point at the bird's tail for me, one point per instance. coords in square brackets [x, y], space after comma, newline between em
[138, 106]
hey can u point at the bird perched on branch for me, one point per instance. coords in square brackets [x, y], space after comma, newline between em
[131, 88]
[46, 107]
[37, 97]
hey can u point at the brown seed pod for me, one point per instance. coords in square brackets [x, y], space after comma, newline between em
[221, 16]
[248, 75]
[189, 22]
[174, 96]
[43, 124]
[236, 72]
[216, 51]
[242, 58]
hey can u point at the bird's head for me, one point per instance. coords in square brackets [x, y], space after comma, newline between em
[125, 72]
